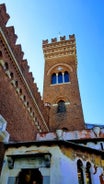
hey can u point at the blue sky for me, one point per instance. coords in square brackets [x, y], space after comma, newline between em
[37, 20]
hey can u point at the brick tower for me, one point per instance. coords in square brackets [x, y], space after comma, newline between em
[61, 89]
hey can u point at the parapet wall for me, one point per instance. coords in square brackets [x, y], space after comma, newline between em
[62, 38]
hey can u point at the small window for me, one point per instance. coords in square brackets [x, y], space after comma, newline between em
[66, 77]
[24, 97]
[6, 66]
[1, 55]
[53, 78]
[88, 173]
[60, 80]
[12, 75]
[20, 91]
[16, 82]
[80, 172]
[61, 106]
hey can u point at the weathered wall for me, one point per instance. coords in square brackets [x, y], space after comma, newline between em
[63, 163]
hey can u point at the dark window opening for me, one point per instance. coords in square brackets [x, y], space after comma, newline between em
[6, 66]
[53, 79]
[16, 82]
[88, 173]
[66, 77]
[20, 91]
[1, 55]
[27, 103]
[61, 106]
[80, 172]
[29, 176]
[24, 97]
[101, 146]
[60, 80]
[12, 75]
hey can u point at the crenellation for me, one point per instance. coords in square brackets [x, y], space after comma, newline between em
[31, 78]
[53, 40]
[60, 48]
[72, 37]
[62, 38]
[4, 17]
[56, 43]
[19, 53]
[11, 34]
[45, 42]
[24, 66]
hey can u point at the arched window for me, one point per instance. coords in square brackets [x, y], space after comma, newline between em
[80, 172]
[61, 106]
[66, 76]
[53, 78]
[88, 173]
[60, 80]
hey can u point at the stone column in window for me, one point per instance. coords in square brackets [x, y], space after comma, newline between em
[56, 78]
[63, 78]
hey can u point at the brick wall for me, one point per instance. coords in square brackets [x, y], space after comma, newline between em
[19, 124]
[20, 102]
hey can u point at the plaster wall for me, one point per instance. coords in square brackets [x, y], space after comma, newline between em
[62, 169]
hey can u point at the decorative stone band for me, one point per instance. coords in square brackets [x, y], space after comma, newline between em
[66, 103]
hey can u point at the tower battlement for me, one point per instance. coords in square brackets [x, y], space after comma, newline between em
[61, 47]
[62, 38]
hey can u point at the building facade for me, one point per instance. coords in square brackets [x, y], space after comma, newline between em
[45, 141]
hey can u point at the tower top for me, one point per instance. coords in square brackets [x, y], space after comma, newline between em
[59, 48]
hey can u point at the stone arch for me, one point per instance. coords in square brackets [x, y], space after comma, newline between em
[58, 98]
[60, 64]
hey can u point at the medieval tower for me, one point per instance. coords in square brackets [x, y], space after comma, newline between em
[61, 90]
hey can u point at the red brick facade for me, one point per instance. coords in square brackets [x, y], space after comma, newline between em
[20, 101]
[60, 56]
